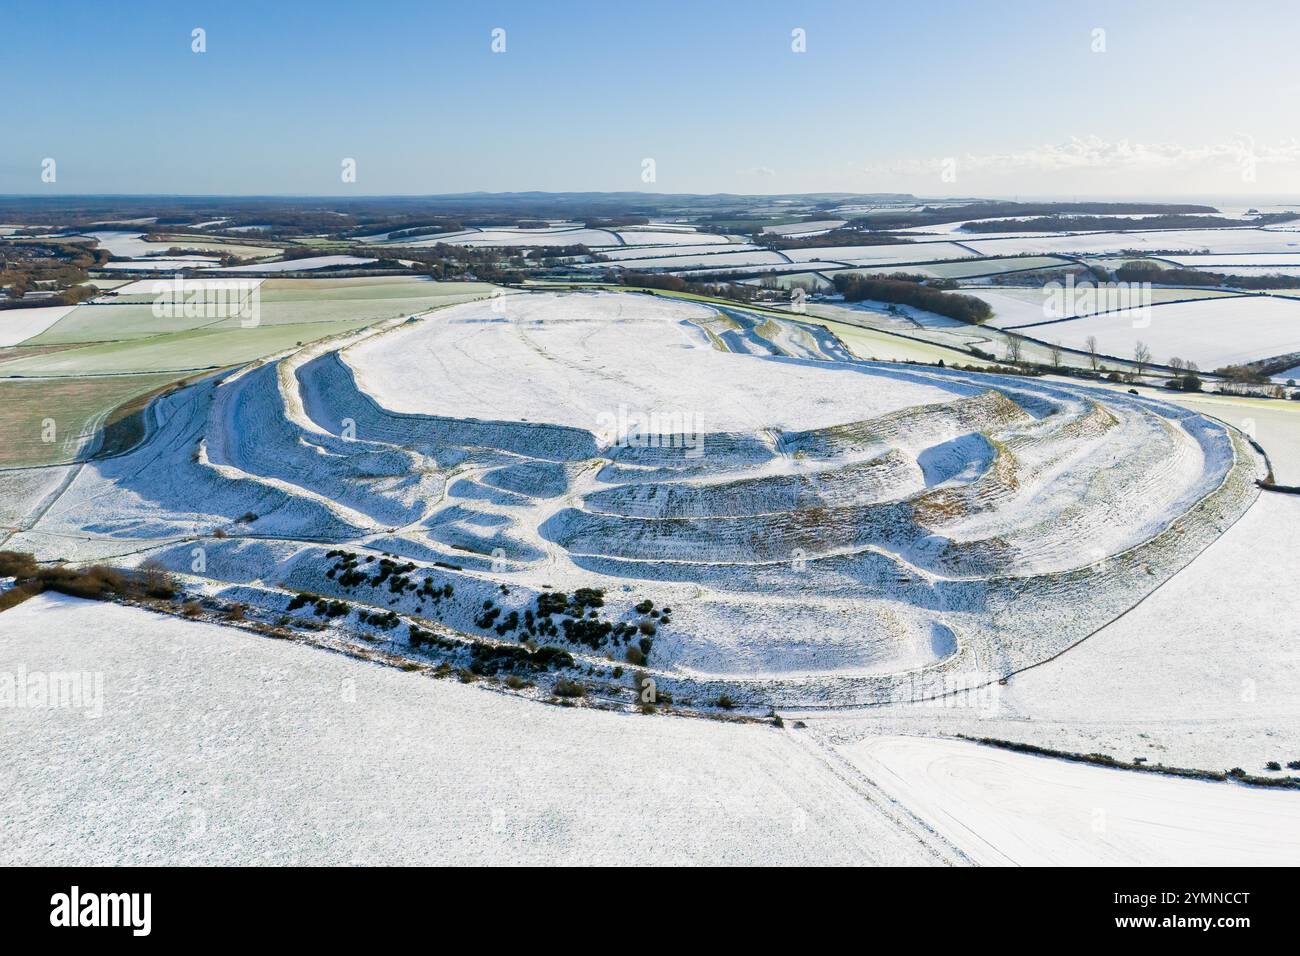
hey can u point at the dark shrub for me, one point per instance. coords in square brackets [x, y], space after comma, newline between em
[569, 688]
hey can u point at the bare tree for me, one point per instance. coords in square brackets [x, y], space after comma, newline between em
[1141, 358]
[1054, 349]
[156, 579]
[1094, 359]
[1177, 364]
[1015, 346]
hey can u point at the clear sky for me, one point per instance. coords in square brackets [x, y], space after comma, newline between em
[1004, 97]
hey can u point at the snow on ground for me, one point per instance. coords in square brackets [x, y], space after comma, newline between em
[894, 252]
[127, 244]
[187, 286]
[1015, 307]
[772, 269]
[21, 491]
[1011, 809]
[533, 237]
[704, 260]
[822, 527]
[1207, 668]
[133, 245]
[218, 747]
[1180, 240]
[804, 228]
[1255, 271]
[645, 237]
[18, 325]
[175, 264]
[301, 265]
[585, 356]
[1203, 673]
[959, 229]
[1227, 263]
[1210, 332]
[1274, 423]
[633, 255]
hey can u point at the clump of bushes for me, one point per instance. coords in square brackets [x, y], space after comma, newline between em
[419, 636]
[569, 688]
[97, 582]
[385, 621]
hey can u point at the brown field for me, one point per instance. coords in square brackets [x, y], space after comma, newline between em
[75, 407]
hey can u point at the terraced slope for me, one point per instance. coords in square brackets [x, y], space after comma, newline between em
[825, 530]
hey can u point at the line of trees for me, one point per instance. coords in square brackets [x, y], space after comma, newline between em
[1068, 223]
[964, 308]
[932, 215]
[1146, 271]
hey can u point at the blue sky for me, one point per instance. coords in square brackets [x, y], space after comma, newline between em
[1009, 98]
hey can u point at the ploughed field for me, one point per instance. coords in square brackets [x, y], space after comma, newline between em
[815, 529]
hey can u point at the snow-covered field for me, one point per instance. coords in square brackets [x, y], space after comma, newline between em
[17, 325]
[133, 245]
[1175, 240]
[959, 229]
[1201, 674]
[846, 537]
[562, 234]
[189, 743]
[634, 256]
[302, 265]
[772, 269]
[1013, 308]
[1211, 332]
[648, 237]
[1255, 271]
[174, 264]
[708, 259]
[824, 529]
[213, 746]
[1222, 263]
[1010, 809]
[535, 237]
[1274, 423]
[585, 355]
[804, 228]
[870, 255]
[147, 290]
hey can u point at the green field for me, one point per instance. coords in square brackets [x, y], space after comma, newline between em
[128, 337]
[177, 351]
[88, 369]
[68, 411]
